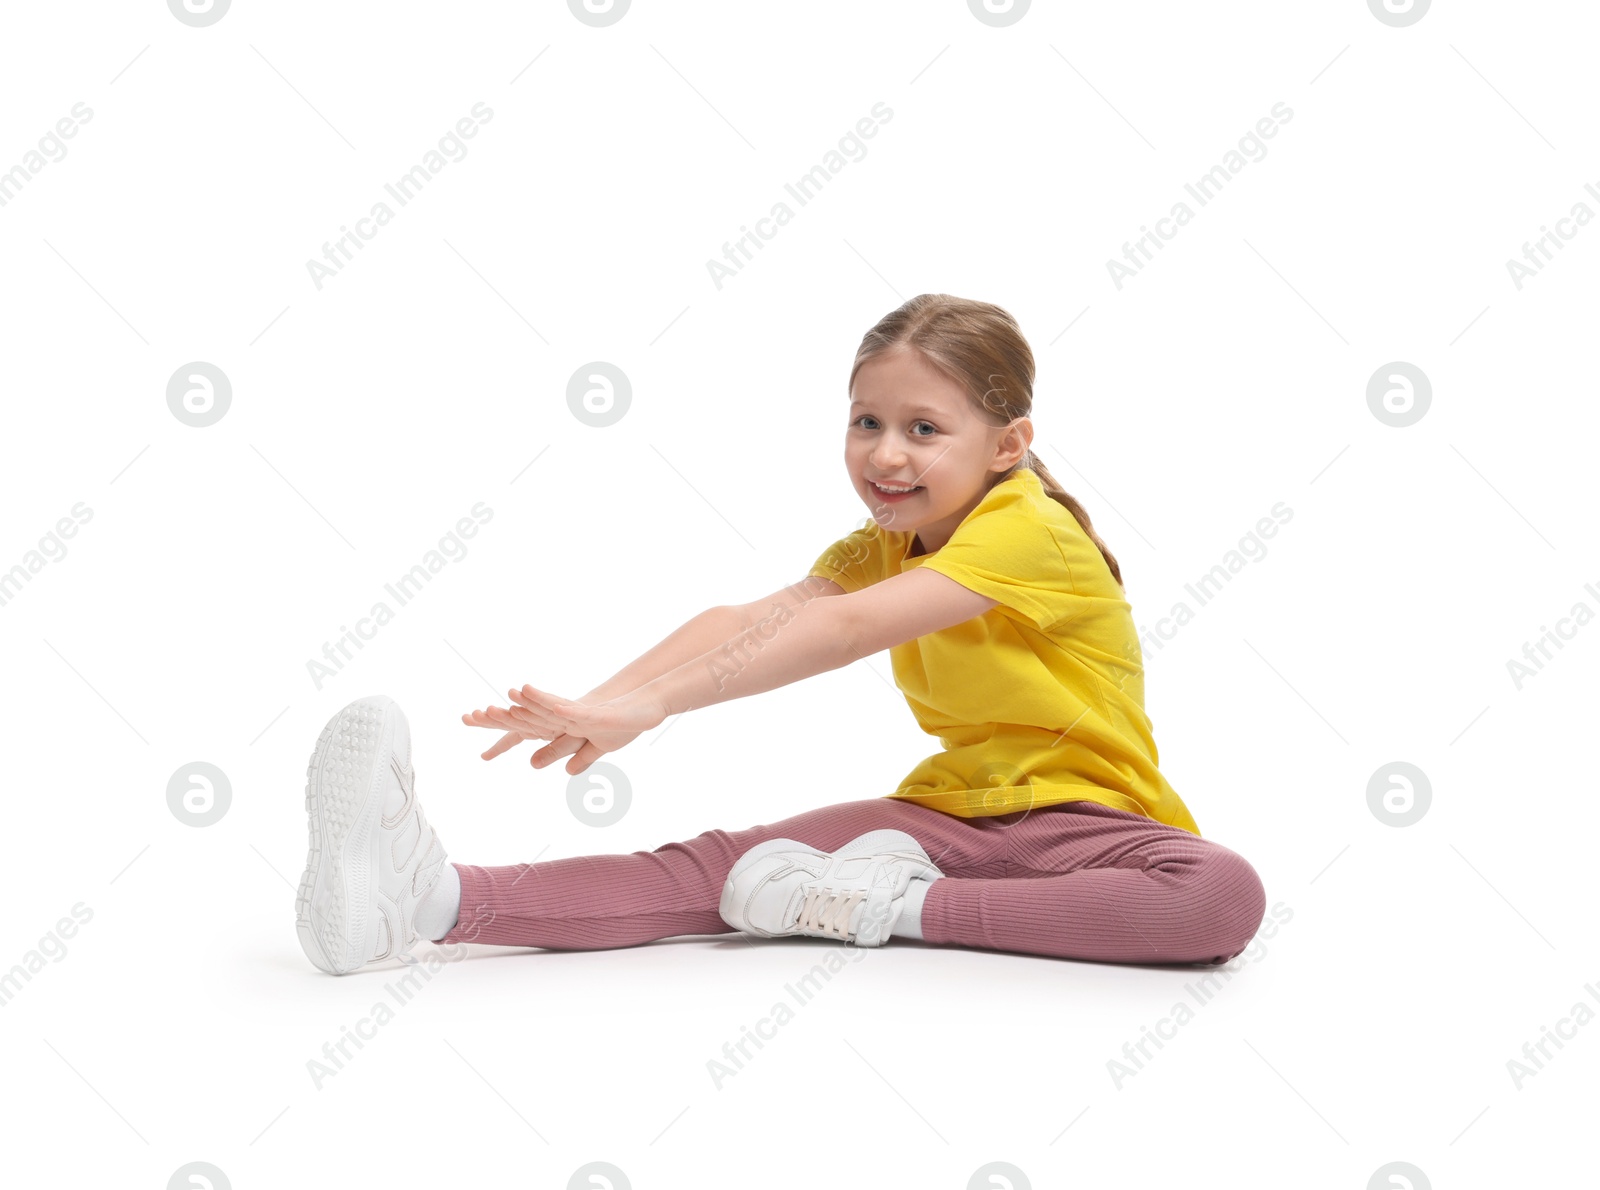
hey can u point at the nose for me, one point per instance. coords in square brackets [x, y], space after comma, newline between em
[886, 456]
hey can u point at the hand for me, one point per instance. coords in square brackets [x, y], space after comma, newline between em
[523, 721]
[604, 726]
[532, 717]
[561, 743]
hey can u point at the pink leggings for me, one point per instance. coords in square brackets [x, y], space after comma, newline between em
[1075, 880]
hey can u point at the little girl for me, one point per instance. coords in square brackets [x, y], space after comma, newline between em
[1043, 826]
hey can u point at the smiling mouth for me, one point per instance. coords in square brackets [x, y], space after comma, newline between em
[888, 495]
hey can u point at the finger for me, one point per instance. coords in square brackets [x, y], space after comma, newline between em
[533, 696]
[532, 712]
[556, 748]
[520, 730]
[482, 719]
[541, 700]
[586, 756]
[520, 720]
[562, 745]
[496, 714]
[528, 708]
[572, 719]
[522, 699]
[510, 740]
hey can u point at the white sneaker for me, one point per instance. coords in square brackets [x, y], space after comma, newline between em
[855, 894]
[373, 857]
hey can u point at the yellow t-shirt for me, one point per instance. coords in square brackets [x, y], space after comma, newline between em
[1038, 700]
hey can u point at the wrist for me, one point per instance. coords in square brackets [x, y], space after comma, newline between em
[657, 692]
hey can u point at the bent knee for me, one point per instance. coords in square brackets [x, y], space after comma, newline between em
[1233, 901]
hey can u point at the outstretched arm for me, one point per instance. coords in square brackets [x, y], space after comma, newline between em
[798, 641]
[711, 629]
[691, 639]
[793, 642]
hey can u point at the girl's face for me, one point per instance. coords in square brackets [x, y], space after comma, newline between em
[912, 426]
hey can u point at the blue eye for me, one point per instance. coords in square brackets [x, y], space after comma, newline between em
[929, 424]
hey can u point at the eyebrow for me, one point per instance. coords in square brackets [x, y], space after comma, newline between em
[913, 409]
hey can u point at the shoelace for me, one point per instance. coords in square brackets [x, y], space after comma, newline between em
[826, 911]
[433, 856]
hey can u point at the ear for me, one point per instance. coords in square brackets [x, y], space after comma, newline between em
[1014, 443]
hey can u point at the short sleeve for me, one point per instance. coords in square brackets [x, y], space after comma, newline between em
[1024, 556]
[854, 561]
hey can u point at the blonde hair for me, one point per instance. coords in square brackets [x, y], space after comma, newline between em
[980, 347]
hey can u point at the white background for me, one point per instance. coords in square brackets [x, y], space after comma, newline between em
[431, 373]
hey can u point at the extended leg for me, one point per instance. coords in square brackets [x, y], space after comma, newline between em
[595, 902]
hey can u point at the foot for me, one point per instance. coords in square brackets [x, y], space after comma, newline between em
[373, 857]
[855, 894]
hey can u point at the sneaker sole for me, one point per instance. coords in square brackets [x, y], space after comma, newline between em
[873, 842]
[343, 777]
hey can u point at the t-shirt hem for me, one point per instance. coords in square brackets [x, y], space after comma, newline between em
[968, 803]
